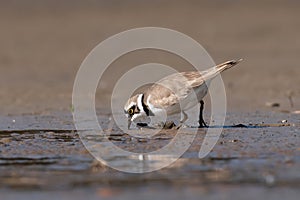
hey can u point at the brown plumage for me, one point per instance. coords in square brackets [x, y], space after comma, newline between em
[174, 94]
[177, 87]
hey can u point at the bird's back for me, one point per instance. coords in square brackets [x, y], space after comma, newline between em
[175, 88]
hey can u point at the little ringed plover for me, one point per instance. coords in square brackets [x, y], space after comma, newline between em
[172, 93]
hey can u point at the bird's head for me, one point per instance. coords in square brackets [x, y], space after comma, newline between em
[134, 108]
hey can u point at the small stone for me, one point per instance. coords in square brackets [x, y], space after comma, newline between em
[116, 138]
[270, 179]
[272, 104]
[169, 125]
[142, 140]
[288, 160]
[240, 126]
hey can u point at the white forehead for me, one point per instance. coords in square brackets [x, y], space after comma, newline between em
[133, 101]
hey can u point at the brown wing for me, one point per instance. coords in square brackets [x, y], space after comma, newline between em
[174, 88]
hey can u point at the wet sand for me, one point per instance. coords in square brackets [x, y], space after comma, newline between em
[42, 156]
[42, 46]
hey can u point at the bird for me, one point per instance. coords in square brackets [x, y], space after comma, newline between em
[172, 94]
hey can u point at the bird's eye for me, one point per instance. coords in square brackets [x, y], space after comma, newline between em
[130, 111]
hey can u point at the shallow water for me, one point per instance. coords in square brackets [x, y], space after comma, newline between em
[41, 158]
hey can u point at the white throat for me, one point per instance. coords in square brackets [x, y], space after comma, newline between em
[139, 103]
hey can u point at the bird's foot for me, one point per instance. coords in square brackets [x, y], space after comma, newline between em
[202, 124]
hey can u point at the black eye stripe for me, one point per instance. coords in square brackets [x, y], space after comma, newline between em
[134, 108]
[131, 110]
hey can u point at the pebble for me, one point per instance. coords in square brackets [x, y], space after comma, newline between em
[270, 180]
[142, 140]
[169, 125]
[272, 104]
[240, 126]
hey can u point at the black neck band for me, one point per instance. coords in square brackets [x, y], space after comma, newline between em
[145, 107]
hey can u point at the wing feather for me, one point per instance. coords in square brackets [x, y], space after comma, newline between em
[176, 87]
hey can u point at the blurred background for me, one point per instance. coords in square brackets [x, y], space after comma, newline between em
[43, 42]
[42, 45]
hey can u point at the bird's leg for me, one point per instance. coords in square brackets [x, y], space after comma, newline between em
[184, 117]
[201, 121]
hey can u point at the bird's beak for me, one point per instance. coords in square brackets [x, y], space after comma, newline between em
[129, 122]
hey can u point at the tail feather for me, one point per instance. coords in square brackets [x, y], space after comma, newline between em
[227, 65]
[213, 72]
